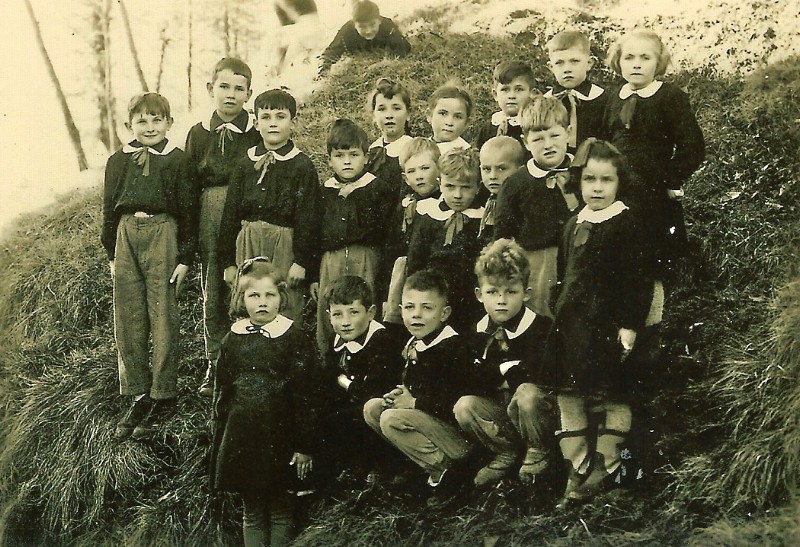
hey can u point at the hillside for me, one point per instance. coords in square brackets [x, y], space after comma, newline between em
[727, 413]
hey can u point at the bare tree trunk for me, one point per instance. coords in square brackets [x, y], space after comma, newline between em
[227, 28]
[189, 64]
[108, 93]
[134, 52]
[164, 43]
[72, 129]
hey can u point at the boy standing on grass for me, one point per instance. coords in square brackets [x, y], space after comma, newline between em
[513, 84]
[213, 147]
[445, 234]
[147, 204]
[417, 416]
[355, 206]
[570, 61]
[366, 31]
[535, 202]
[501, 157]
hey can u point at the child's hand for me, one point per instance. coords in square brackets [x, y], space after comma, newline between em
[314, 289]
[111, 267]
[627, 338]
[404, 399]
[677, 195]
[178, 275]
[229, 275]
[303, 463]
[388, 398]
[296, 274]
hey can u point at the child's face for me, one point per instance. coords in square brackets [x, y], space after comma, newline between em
[448, 119]
[229, 91]
[390, 116]
[599, 184]
[511, 97]
[501, 298]
[348, 163]
[638, 61]
[275, 126]
[350, 320]
[549, 146]
[149, 128]
[496, 167]
[423, 312]
[422, 174]
[368, 29]
[262, 300]
[458, 194]
[570, 66]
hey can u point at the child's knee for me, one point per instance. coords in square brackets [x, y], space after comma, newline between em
[530, 400]
[372, 413]
[464, 409]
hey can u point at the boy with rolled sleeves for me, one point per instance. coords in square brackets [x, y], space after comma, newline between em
[570, 59]
[417, 416]
[213, 147]
[513, 85]
[511, 340]
[534, 203]
[147, 234]
[366, 31]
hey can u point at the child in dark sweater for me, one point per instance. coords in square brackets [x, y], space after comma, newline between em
[366, 31]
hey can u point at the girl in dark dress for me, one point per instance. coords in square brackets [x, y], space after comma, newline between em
[605, 287]
[264, 407]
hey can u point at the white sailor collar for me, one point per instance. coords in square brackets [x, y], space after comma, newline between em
[445, 147]
[206, 123]
[524, 323]
[647, 91]
[360, 182]
[500, 117]
[274, 329]
[254, 156]
[393, 148]
[539, 173]
[354, 346]
[419, 345]
[594, 92]
[425, 205]
[596, 217]
[432, 207]
[130, 148]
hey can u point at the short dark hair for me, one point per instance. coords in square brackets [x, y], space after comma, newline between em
[506, 71]
[451, 90]
[237, 66]
[276, 99]
[428, 280]
[346, 134]
[349, 288]
[389, 89]
[365, 11]
[148, 103]
[600, 150]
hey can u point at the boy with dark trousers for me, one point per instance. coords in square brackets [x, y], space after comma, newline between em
[147, 234]
[213, 147]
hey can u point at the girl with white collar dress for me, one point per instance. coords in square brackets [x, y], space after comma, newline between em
[603, 298]
[264, 411]
[653, 124]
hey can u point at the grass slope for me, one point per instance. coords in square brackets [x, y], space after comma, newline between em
[728, 407]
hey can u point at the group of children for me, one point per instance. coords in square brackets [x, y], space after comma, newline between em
[515, 315]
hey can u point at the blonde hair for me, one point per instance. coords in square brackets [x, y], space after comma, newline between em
[461, 164]
[543, 113]
[615, 52]
[567, 39]
[252, 270]
[509, 147]
[503, 260]
[417, 146]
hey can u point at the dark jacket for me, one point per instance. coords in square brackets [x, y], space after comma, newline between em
[349, 41]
